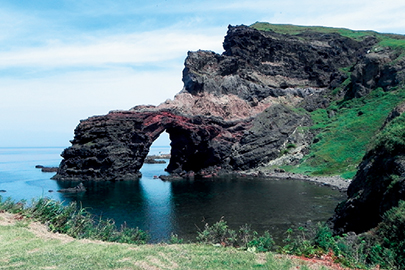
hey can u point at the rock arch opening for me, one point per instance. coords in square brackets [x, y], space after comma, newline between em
[159, 151]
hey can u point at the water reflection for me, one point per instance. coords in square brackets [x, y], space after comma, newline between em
[273, 205]
[183, 207]
[159, 208]
[122, 201]
[179, 207]
[144, 203]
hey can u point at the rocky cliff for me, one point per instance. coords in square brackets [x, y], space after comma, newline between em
[237, 110]
[379, 183]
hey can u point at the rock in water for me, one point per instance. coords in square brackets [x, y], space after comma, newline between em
[77, 189]
[237, 109]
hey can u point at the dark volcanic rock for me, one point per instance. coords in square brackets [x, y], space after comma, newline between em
[256, 65]
[77, 189]
[375, 70]
[377, 187]
[149, 160]
[114, 147]
[271, 129]
[46, 169]
[49, 169]
[236, 110]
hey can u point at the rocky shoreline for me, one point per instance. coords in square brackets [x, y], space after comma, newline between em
[335, 181]
[237, 110]
[332, 181]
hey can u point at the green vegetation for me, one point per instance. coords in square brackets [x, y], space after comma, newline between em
[26, 248]
[391, 233]
[386, 40]
[383, 246]
[290, 29]
[245, 238]
[74, 221]
[365, 251]
[392, 137]
[346, 129]
[22, 249]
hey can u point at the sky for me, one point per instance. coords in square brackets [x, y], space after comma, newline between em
[63, 61]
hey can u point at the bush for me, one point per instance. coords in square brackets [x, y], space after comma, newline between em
[392, 232]
[218, 233]
[174, 239]
[245, 238]
[300, 243]
[354, 251]
[75, 221]
[392, 137]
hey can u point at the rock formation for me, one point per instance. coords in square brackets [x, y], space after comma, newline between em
[77, 189]
[237, 110]
[380, 181]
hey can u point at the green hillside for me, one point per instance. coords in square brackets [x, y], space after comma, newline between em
[347, 126]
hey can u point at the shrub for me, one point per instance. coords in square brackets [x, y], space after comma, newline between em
[10, 206]
[75, 221]
[392, 231]
[174, 239]
[354, 251]
[218, 233]
[260, 243]
[291, 146]
[300, 243]
[245, 238]
[392, 138]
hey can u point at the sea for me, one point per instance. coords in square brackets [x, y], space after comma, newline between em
[180, 207]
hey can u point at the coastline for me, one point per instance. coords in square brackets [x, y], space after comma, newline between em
[335, 181]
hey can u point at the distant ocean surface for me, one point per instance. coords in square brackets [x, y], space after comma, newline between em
[22, 181]
[180, 207]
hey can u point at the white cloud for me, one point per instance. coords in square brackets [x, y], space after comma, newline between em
[53, 106]
[60, 65]
[381, 16]
[141, 48]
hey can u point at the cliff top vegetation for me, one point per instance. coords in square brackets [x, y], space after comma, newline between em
[347, 127]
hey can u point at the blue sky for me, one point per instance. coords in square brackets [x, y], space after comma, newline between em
[62, 61]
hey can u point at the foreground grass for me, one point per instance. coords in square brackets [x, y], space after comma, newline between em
[22, 248]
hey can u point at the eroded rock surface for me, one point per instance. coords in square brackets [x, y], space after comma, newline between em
[379, 183]
[237, 109]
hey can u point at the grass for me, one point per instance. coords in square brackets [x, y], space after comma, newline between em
[385, 39]
[22, 249]
[392, 138]
[74, 221]
[344, 138]
[296, 30]
[28, 244]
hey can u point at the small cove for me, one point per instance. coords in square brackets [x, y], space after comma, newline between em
[180, 207]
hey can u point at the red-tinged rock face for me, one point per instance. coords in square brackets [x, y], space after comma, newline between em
[114, 146]
[235, 112]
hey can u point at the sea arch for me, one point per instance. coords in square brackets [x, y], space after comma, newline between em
[114, 146]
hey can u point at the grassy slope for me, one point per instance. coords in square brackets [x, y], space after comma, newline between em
[344, 138]
[387, 39]
[21, 248]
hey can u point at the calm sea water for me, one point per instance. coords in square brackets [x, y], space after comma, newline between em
[180, 207]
